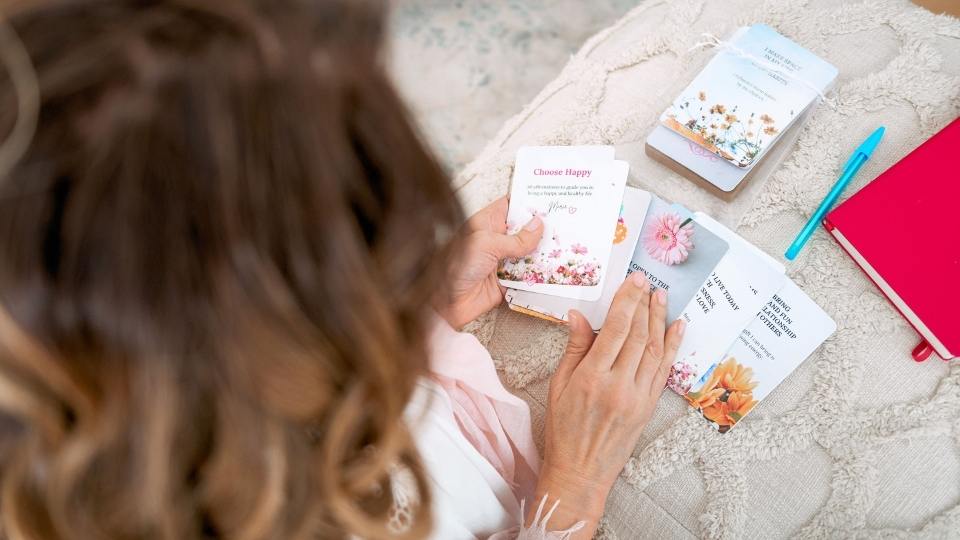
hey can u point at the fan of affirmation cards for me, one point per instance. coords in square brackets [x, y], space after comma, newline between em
[748, 325]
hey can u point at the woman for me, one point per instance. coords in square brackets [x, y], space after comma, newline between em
[222, 258]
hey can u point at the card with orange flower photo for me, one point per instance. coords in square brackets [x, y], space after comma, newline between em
[787, 330]
[749, 93]
[577, 192]
[675, 253]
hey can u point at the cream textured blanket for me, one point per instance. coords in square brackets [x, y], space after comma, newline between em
[860, 442]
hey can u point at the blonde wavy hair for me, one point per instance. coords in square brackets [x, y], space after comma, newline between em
[215, 260]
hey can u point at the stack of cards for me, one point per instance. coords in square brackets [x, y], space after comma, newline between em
[748, 325]
[748, 328]
[578, 191]
[750, 99]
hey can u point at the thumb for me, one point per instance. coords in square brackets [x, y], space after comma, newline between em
[522, 243]
[578, 345]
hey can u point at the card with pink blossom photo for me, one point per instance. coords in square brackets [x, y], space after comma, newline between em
[676, 253]
[556, 308]
[577, 193]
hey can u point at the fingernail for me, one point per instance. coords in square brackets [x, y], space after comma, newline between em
[639, 279]
[661, 297]
[681, 327]
[533, 224]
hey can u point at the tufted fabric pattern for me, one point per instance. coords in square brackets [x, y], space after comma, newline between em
[860, 442]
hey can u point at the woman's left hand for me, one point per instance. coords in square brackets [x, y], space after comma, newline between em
[473, 286]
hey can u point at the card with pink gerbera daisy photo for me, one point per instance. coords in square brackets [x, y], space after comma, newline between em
[676, 253]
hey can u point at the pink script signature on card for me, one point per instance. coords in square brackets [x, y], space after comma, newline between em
[556, 206]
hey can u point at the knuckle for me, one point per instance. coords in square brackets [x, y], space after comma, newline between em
[643, 296]
[582, 380]
[589, 390]
[574, 349]
[655, 349]
[484, 237]
[639, 334]
[474, 241]
[672, 348]
[486, 241]
[637, 294]
[632, 356]
[518, 243]
[628, 293]
[593, 380]
[617, 323]
[663, 371]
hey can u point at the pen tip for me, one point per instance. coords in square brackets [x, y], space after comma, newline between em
[869, 145]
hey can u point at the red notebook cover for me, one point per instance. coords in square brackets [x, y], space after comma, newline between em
[903, 229]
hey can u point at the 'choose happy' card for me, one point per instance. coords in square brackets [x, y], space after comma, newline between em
[577, 192]
[555, 308]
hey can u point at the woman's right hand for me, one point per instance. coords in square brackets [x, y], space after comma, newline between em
[601, 397]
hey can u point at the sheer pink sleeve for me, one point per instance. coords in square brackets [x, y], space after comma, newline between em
[493, 420]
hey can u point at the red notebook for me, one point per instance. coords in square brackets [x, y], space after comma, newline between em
[903, 229]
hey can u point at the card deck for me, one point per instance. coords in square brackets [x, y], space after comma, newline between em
[555, 308]
[577, 193]
[748, 94]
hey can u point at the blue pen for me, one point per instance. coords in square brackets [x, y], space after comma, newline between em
[859, 157]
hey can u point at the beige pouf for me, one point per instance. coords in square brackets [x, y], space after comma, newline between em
[860, 442]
